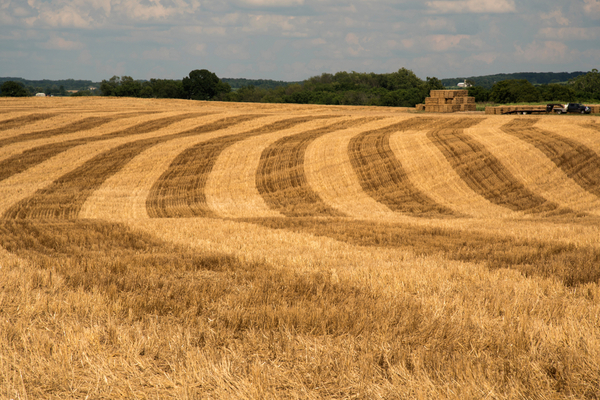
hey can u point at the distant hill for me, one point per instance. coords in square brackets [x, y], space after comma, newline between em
[237, 83]
[44, 84]
[536, 78]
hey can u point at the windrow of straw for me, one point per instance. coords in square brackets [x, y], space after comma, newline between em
[578, 161]
[485, 174]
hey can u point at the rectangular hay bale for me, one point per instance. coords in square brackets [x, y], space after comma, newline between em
[433, 101]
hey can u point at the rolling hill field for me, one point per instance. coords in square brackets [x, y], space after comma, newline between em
[160, 249]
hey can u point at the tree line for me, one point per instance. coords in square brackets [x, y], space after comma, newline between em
[584, 88]
[536, 78]
[397, 89]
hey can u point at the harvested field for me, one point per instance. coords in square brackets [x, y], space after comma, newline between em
[485, 174]
[183, 249]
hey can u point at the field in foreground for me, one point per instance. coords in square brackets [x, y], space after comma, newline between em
[177, 249]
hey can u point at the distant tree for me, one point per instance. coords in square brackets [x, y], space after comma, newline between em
[13, 89]
[403, 79]
[514, 91]
[129, 87]
[110, 87]
[480, 93]
[203, 85]
[555, 92]
[433, 84]
[588, 85]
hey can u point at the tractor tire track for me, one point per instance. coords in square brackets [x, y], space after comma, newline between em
[429, 170]
[78, 126]
[382, 176]
[180, 191]
[64, 198]
[486, 175]
[577, 161]
[281, 179]
[37, 155]
[24, 120]
[531, 166]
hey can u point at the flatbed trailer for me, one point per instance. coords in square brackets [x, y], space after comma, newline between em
[548, 110]
[553, 107]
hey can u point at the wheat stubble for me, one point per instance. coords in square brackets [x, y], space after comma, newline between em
[281, 179]
[180, 191]
[65, 196]
[579, 162]
[533, 168]
[485, 174]
[37, 155]
[431, 173]
[382, 176]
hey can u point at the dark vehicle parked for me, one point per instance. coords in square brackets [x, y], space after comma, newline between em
[553, 107]
[573, 108]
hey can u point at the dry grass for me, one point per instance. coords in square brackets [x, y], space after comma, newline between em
[65, 197]
[77, 126]
[486, 175]
[37, 155]
[382, 175]
[11, 123]
[185, 180]
[579, 162]
[293, 302]
[281, 179]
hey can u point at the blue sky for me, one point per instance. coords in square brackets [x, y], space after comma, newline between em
[294, 39]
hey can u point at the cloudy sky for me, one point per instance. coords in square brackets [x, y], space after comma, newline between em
[294, 39]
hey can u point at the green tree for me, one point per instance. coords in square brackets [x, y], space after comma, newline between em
[514, 91]
[13, 89]
[480, 93]
[588, 85]
[403, 79]
[129, 87]
[110, 87]
[201, 84]
[556, 93]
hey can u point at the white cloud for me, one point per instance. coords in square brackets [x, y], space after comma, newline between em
[272, 3]
[488, 58]
[65, 17]
[556, 15]
[549, 52]
[58, 43]
[570, 33]
[592, 7]
[471, 6]
[438, 24]
[233, 51]
[445, 42]
[162, 53]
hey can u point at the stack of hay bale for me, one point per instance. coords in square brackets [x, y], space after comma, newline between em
[445, 101]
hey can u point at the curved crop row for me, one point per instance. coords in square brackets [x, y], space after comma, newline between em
[281, 179]
[81, 125]
[381, 174]
[485, 174]
[31, 157]
[579, 162]
[180, 191]
[573, 265]
[24, 120]
[64, 198]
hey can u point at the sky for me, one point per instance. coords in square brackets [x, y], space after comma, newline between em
[292, 40]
